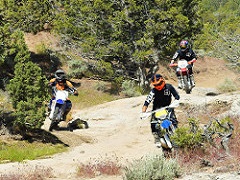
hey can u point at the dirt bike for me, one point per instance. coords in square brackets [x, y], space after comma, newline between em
[187, 83]
[165, 125]
[58, 106]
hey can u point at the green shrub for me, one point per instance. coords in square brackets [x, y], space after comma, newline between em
[101, 86]
[227, 86]
[152, 167]
[77, 68]
[188, 137]
[219, 126]
[129, 89]
[116, 84]
[104, 69]
[41, 49]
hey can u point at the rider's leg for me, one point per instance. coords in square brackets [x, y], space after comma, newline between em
[190, 69]
[67, 109]
[192, 79]
[173, 117]
[179, 79]
[155, 135]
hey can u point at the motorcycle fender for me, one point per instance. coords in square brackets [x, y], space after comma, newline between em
[163, 143]
[184, 71]
[166, 138]
[52, 109]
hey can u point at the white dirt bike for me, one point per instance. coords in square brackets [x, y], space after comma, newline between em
[164, 125]
[186, 81]
[58, 106]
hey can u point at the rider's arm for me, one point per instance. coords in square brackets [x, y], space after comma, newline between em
[193, 55]
[175, 56]
[69, 84]
[144, 108]
[52, 82]
[148, 101]
[174, 93]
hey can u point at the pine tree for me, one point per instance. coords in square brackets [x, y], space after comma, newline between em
[132, 36]
[28, 89]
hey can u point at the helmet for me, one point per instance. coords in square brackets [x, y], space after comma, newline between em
[158, 82]
[60, 75]
[184, 45]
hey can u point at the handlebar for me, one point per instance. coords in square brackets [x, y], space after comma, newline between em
[193, 61]
[145, 115]
[176, 64]
[72, 91]
[173, 65]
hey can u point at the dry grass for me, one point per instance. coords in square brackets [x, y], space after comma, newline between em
[107, 166]
[29, 173]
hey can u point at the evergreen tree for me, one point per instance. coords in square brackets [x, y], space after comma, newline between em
[28, 93]
[131, 35]
[27, 15]
[220, 34]
[28, 89]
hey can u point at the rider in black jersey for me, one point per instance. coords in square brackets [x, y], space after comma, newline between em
[161, 95]
[185, 52]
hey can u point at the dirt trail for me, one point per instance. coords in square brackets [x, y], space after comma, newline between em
[116, 131]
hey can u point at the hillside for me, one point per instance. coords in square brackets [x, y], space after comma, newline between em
[116, 132]
[210, 72]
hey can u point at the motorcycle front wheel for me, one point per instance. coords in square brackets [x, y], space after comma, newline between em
[56, 113]
[54, 121]
[187, 87]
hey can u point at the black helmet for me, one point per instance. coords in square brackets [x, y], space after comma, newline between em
[158, 81]
[60, 75]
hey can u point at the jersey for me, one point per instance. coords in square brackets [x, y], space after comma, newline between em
[188, 55]
[161, 98]
[59, 86]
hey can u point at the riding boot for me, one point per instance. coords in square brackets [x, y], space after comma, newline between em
[64, 117]
[53, 125]
[156, 139]
[179, 83]
[192, 80]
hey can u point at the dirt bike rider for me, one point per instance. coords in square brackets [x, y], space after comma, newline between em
[59, 82]
[185, 52]
[161, 95]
